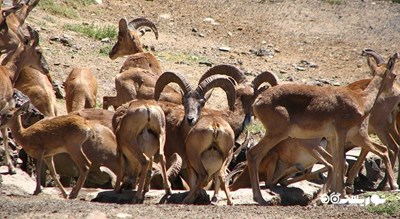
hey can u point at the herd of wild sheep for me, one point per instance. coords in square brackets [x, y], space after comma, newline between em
[158, 136]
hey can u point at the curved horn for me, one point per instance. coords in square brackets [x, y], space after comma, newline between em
[265, 76]
[175, 168]
[378, 58]
[8, 11]
[143, 22]
[228, 70]
[392, 61]
[171, 77]
[221, 81]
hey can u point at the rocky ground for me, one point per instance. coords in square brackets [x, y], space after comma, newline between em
[307, 41]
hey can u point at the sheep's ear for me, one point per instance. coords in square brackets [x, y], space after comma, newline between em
[123, 25]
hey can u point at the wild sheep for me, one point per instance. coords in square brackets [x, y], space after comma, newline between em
[80, 89]
[51, 136]
[140, 71]
[276, 108]
[139, 127]
[6, 93]
[27, 65]
[180, 119]
[138, 83]
[209, 147]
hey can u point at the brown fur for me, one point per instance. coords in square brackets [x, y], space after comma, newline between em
[209, 146]
[290, 109]
[6, 92]
[139, 72]
[80, 89]
[52, 136]
[139, 127]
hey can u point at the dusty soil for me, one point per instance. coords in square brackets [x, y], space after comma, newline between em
[305, 41]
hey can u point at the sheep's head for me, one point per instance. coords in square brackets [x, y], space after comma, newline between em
[28, 53]
[194, 99]
[128, 42]
[245, 92]
[32, 115]
[379, 67]
[8, 38]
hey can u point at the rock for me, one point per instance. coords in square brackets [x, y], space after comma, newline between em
[264, 52]
[298, 68]
[20, 184]
[99, 2]
[211, 21]
[105, 40]
[165, 16]
[206, 63]
[224, 49]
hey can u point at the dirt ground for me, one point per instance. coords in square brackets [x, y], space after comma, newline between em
[307, 41]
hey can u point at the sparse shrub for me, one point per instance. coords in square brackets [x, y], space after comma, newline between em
[57, 9]
[93, 31]
[255, 128]
[65, 9]
[106, 49]
[390, 207]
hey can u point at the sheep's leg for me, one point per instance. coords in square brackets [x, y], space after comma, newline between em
[11, 168]
[379, 150]
[271, 161]
[337, 143]
[254, 157]
[354, 170]
[225, 187]
[145, 165]
[312, 175]
[39, 161]
[83, 164]
[139, 197]
[287, 173]
[167, 184]
[199, 181]
[148, 177]
[393, 149]
[120, 173]
[217, 186]
[50, 164]
[224, 183]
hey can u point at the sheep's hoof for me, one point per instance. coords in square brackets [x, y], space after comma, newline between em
[71, 196]
[214, 200]
[349, 188]
[168, 191]
[37, 191]
[260, 201]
